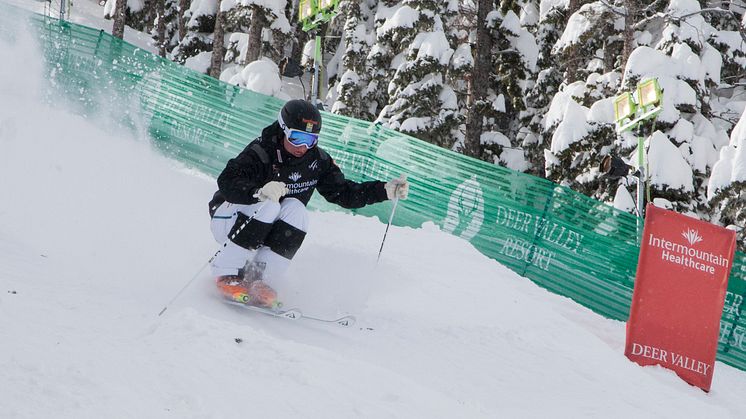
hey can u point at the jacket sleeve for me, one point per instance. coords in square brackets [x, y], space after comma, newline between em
[348, 194]
[244, 175]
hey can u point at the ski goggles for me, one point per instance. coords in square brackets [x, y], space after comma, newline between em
[301, 138]
[298, 137]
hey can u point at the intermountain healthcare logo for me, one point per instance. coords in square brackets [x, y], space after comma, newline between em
[692, 236]
[687, 256]
[465, 210]
[294, 176]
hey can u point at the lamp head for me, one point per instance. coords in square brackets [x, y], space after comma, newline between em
[613, 167]
[649, 93]
[624, 107]
[306, 10]
[327, 5]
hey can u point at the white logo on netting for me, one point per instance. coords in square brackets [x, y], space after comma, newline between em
[465, 210]
[692, 236]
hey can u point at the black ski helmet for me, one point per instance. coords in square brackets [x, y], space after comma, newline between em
[301, 115]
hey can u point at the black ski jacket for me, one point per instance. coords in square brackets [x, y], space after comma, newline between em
[265, 160]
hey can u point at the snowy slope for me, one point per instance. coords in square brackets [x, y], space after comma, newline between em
[98, 232]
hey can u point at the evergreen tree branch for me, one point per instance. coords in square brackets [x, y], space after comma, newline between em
[613, 9]
[652, 6]
[729, 13]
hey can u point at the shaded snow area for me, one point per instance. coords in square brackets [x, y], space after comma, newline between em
[98, 232]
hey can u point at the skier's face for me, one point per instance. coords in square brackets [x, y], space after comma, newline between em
[297, 151]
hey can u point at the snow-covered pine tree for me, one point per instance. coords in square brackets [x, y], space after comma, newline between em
[168, 40]
[138, 14]
[251, 32]
[333, 52]
[394, 30]
[237, 25]
[198, 40]
[685, 39]
[582, 126]
[552, 20]
[356, 41]
[420, 103]
[514, 54]
[726, 190]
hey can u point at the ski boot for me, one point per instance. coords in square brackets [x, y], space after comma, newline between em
[248, 288]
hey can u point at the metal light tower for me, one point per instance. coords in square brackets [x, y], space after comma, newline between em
[312, 14]
[629, 112]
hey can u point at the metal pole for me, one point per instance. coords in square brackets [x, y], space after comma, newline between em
[641, 177]
[62, 9]
[316, 60]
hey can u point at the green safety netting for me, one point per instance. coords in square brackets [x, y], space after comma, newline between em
[564, 241]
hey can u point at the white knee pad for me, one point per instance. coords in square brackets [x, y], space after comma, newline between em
[232, 257]
[226, 214]
[293, 212]
[283, 241]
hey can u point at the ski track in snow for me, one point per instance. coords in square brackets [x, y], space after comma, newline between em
[98, 232]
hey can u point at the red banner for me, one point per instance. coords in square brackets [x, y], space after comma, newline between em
[682, 276]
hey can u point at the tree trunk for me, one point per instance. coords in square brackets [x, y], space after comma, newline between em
[573, 58]
[119, 15]
[478, 82]
[633, 10]
[301, 37]
[160, 7]
[218, 44]
[183, 7]
[255, 34]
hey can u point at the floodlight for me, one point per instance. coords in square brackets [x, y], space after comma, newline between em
[613, 167]
[624, 107]
[649, 93]
[327, 5]
[306, 10]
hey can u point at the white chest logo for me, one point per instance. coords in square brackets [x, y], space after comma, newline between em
[294, 176]
[314, 165]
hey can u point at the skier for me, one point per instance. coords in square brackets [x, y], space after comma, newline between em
[259, 210]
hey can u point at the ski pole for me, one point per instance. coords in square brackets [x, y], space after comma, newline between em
[187, 285]
[391, 218]
[220, 249]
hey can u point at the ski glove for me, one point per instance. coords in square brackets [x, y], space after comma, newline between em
[397, 188]
[272, 190]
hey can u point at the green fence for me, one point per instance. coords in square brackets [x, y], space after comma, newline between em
[564, 241]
